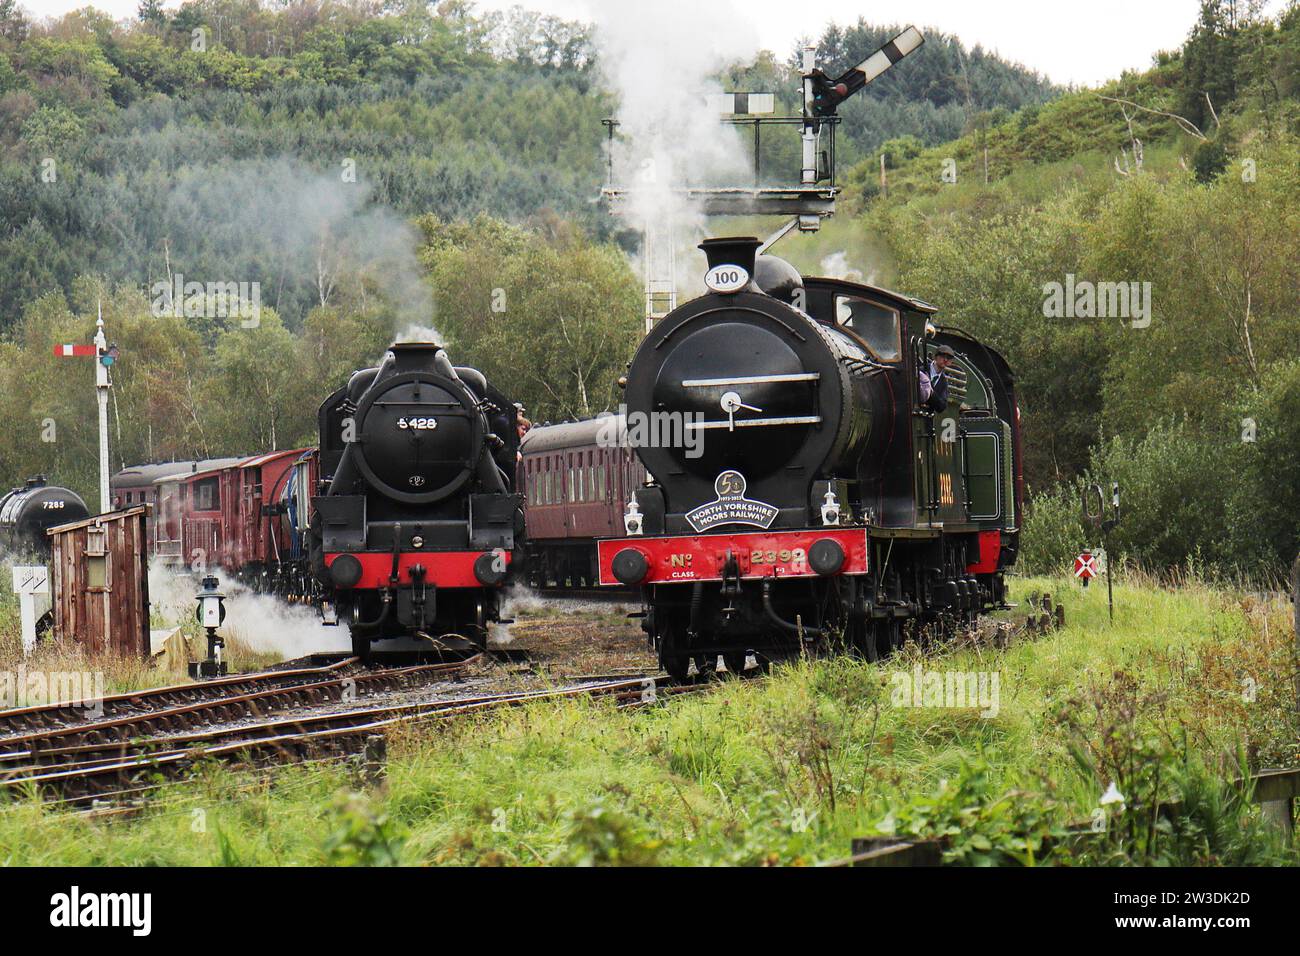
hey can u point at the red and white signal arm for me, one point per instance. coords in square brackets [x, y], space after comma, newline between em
[74, 351]
[1085, 566]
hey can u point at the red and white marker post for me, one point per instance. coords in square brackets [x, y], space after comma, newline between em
[1085, 566]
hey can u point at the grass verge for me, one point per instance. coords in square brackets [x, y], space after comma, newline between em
[1188, 688]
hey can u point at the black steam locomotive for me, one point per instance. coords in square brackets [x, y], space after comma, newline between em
[818, 500]
[416, 520]
[27, 513]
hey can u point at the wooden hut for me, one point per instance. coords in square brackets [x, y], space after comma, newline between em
[100, 583]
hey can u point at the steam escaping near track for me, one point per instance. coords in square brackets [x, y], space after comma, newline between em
[260, 622]
[661, 59]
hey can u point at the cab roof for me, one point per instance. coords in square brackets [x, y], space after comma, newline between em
[899, 300]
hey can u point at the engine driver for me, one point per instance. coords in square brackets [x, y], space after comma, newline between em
[934, 380]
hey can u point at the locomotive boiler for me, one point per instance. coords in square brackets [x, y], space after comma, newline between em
[823, 503]
[416, 520]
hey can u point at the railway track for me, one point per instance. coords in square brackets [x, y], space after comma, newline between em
[24, 720]
[607, 595]
[222, 708]
[76, 765]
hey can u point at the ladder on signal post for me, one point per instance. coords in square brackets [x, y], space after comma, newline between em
[659, 262]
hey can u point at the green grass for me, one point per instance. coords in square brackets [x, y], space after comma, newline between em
[782, 771]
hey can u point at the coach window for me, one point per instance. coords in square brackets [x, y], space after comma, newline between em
[876, 326]
[207, 497]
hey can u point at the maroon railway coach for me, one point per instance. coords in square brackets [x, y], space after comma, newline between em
[577, 478]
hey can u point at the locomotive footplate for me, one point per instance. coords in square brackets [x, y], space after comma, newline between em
[730, 558]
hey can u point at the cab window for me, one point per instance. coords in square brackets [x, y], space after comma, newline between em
[876, 326]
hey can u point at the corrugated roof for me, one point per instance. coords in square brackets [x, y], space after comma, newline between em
[138, 476]
[260, 460]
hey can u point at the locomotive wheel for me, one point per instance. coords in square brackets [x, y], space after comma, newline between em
[868, 634]
[735, 663]
[675, 664]
[889, 635]
[859, 639]
[672, 658]
[678, 666]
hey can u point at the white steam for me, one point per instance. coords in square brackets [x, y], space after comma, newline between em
[836, 266]
[416, 332]
[260, 622]
[323, 228]
[661, 60]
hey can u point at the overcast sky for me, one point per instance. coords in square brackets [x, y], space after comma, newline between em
[1069, 41]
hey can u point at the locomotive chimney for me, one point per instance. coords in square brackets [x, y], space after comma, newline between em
[413, 356]
[733, 251]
